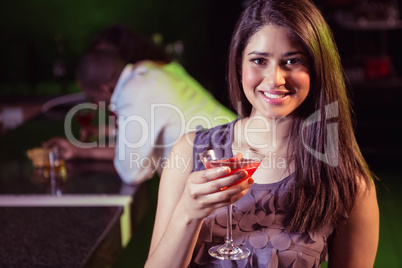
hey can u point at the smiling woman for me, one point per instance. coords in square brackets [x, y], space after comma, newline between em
[275, 73]
[286, 81]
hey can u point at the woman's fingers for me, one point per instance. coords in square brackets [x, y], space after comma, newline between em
[249, 182]
[212, 180]
[224, 182]
[204, 176]
[233, 193]
[238, 156]
[219, 186]
[227, 196]
[203, 192]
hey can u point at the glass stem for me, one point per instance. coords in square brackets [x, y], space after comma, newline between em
[229, 238]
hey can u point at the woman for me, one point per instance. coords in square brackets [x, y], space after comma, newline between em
[313, 195]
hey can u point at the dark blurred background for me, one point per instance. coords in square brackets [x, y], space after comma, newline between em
[42, 40]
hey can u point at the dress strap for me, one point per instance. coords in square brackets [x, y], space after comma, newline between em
[219, 138]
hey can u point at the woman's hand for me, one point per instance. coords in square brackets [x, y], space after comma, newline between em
[203, 194]
[185, 199]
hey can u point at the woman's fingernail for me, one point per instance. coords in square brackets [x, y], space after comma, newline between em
[224, 169]
[250, 181]
[242, 173]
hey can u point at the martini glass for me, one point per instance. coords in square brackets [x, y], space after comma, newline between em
[249, 162]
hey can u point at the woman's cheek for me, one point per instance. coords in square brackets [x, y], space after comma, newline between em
[302, 82]
[249, 79]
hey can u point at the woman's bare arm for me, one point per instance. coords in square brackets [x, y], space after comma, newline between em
[184, 200]
[355, 243]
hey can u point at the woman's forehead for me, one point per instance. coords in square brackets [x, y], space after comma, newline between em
[272, 38]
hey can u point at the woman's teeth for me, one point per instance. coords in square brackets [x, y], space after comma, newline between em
[274, 96]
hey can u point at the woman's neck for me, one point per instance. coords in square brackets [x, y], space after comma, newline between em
[264, 135]
[269, 137]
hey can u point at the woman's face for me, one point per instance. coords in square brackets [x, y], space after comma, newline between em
[275, 73]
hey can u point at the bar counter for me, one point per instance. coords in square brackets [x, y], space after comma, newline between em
[59, 236]
[81, 219]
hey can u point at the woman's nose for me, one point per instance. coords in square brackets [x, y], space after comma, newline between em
[275, 76]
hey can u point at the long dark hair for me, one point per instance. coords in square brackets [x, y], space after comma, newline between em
[326, 178]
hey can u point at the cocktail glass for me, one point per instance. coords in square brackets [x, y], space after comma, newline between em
[248, 161]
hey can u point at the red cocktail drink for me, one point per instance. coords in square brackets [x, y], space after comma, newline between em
[249, 165]
[229, 250]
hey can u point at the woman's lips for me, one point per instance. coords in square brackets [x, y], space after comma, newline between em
[275, 97]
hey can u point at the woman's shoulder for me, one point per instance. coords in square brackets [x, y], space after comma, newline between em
[365, 186]
[185, 142]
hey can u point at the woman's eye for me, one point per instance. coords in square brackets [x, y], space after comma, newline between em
[259, 61]
[293, 61]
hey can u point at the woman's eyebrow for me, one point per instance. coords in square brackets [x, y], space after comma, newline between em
[264, 54]
[292, 53]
